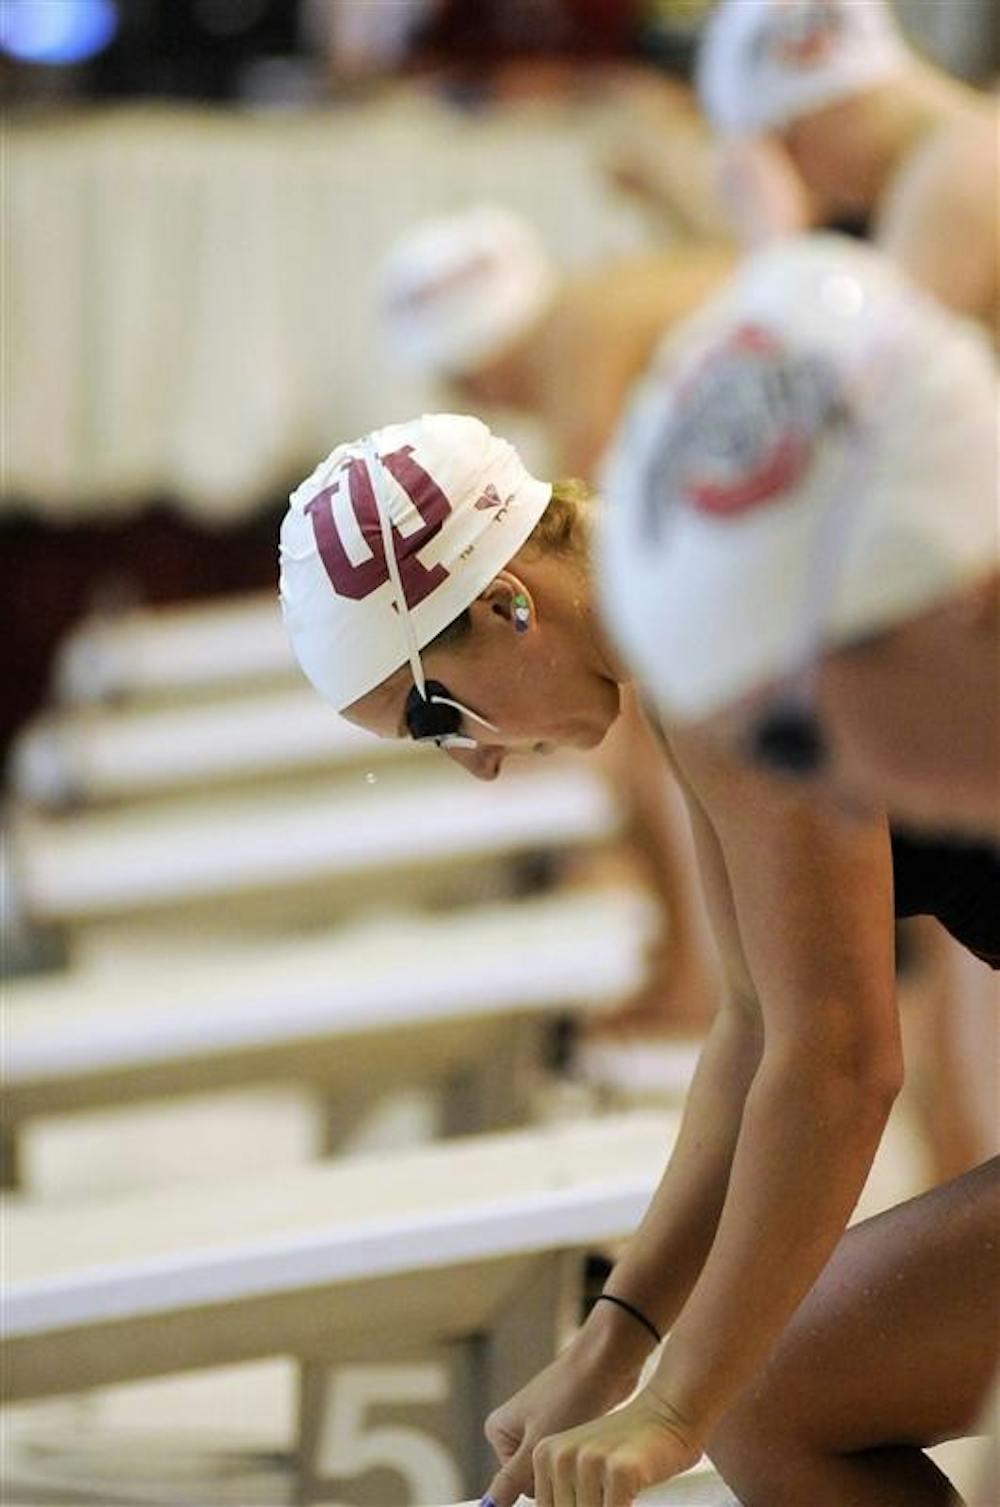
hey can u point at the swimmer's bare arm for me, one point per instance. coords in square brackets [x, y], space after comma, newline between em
[663, 1259]
[811, 899]
[681, 985]
[940, 218]
[602, 1364]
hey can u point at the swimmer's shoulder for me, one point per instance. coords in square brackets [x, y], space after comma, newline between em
[941, 218]
[953, 172]
[963, 157]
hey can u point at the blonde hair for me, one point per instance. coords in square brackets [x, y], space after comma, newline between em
[563, 529]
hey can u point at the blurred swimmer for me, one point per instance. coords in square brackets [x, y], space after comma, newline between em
[476, 301]
[827, 115]
[803, 556]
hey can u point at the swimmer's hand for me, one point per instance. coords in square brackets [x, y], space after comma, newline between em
[609, 1460]
[595, 1372]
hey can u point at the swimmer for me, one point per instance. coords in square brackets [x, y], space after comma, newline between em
[826, 115]
[475, 302]
[805, 562]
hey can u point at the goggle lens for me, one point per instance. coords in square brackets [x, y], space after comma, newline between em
[435, 719]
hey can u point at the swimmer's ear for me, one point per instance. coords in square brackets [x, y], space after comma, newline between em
[508, 598]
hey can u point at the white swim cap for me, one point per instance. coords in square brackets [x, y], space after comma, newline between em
[455, 291]
[762, 63]
[460, 506]
[812, 458]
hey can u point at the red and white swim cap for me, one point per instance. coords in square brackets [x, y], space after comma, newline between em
[812, 458]
[461, 505]
[763, 63]
[456, 290]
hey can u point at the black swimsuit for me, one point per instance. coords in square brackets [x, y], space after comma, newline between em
[957, 882]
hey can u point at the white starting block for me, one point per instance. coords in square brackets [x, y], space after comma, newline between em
[416, 1291]
[174, 854]
[95, 755]
[457, 1002]
[176, 651]
[700, 1487]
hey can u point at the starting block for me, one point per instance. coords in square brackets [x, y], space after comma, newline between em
[139, 860]
[75, 758]
[336, 1015]
[699, 1487]
[158, 652]
[415, 1291]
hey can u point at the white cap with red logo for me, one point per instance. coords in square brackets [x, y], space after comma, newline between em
[763, 63]
[456, 290]
[812, 458]
[460, 505]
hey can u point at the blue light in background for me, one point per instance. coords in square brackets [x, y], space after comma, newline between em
[56, 31]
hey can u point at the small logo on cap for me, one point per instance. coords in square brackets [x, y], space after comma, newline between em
[490, 498]
[742, 430]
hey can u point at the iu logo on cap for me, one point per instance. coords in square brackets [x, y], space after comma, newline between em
[358, 580]
[742, 430]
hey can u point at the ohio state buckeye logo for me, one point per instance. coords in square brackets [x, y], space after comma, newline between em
[358, 579]
[743, 429]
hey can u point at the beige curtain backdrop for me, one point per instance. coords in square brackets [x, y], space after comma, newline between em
[189, 295]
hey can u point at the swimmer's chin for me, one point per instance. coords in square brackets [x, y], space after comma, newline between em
[590, 736]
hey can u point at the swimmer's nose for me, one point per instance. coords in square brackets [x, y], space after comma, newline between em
[483, 762]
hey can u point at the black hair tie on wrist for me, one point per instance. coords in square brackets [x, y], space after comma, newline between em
[608, 1297]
